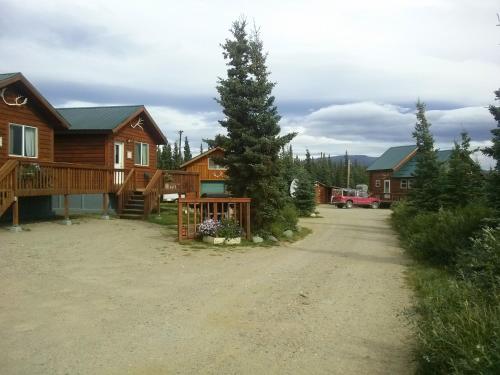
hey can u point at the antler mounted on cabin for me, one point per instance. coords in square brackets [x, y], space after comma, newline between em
[138, 124]
[17, 102]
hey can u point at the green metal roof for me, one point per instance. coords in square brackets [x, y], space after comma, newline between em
[97, 118]
[408, 169]
[391, 158]
[4, 76]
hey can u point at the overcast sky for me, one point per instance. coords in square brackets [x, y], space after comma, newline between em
[348, 73]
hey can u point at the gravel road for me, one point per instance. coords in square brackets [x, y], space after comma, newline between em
[121, 297]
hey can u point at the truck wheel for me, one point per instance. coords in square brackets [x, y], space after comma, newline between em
[375, 205]
[348, 204]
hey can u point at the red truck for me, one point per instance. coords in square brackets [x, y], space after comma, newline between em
[352, 197]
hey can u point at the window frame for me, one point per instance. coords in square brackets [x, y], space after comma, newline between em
[377, 183]
[23, 146]
[140, 154]
[403, 186]
[409, 183]
[218, 167]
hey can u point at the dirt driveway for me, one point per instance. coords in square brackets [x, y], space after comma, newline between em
[120, 297]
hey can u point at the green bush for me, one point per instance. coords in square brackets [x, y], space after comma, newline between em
[287, 219]
[481, 262]
[438, 237]
[457, 330]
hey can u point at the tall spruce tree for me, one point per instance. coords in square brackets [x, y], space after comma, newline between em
[426, 192]
[308, 162]
[187, 150]
[463, 179]
[493, 186]
[251, 120]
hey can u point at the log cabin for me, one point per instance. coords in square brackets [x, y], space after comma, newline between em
[391, 175]
[122, 138]
[211, 175]
[322, 193]
[70, 152]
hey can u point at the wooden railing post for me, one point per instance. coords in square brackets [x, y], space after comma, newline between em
[105, 206]
[179, 219]
[66, 220]
[248, 220]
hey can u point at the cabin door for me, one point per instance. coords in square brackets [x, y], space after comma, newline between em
[119, 159]
[387, 188]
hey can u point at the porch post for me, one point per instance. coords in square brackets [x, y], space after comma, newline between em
[179, 220]
[248, 221]
[66, 220]
[15, 216]
[105, 206]
[159, 201]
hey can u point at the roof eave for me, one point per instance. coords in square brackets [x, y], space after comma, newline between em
[159, 134]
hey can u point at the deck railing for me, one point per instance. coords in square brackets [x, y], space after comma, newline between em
[48, 178]
[182, 182]
[193, 211]
[153, 192]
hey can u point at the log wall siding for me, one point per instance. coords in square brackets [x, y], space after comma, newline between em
[129, 136]
[80, 148]
[30, 115]
[386, 175]
[322, 194]
[201, 166]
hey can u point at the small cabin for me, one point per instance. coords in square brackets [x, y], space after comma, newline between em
[323, 193]
[27, 126]
[212, 176]
[118, 137]
[391, 175]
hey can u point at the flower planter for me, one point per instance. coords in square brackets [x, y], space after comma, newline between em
[221, 240]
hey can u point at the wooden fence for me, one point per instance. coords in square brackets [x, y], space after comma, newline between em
[193, 211]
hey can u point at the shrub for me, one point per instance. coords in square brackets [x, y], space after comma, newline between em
[457, 330]
[229, 228]
[438, 237]
[481, 262]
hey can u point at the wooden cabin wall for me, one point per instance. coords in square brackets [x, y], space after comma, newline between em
[80, 148]
[129, 136]
[28, 114]
[201, 166]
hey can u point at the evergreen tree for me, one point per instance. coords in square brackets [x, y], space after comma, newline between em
[305, 194]
[219, 141]
[167, 157]
[493, 186]
[426, 192]
[463, 177]
[176, 157]
[308, 162]
[187, 150]
[251, 121]
[201, 148]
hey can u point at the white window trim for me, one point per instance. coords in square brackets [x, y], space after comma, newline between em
[389, 185]
[22, 138]
[409, 183]
[377, 183]
[140, 158]
[220, 168]
[405, 185]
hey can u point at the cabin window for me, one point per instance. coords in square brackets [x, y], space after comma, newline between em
[377, 183]
[141, 154]
[213, 165]
[23, 141]
[410, 183]
[404, 184]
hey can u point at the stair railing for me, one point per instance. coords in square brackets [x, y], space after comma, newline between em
[153, 192]
[8, 186]
[128, 187]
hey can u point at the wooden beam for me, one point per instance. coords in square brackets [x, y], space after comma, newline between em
[105, 206]
[179, 220]
[248, 220]
[15, 212]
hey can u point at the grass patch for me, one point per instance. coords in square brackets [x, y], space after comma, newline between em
[168, 215]
[457, 327]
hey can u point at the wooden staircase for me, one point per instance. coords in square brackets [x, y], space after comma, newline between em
[134, 206]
